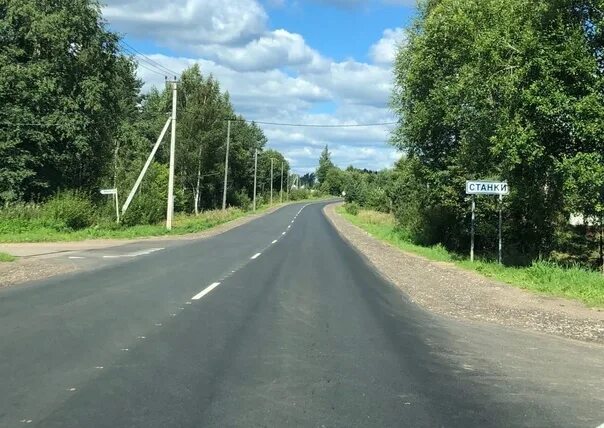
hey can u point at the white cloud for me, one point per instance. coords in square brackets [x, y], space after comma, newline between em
[273, 75]
[177, 22]
[274, 49]
[384, 51]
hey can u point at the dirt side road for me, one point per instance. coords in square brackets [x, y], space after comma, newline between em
[451, 291]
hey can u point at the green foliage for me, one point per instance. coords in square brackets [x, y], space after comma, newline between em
[150, 205]
[69, 210]
[6, 258]
[299, 194]
[499, 89]
[325, 165]
[242, 200]
[334, 182]
[352, 208]
[584, 184]
[62, 69]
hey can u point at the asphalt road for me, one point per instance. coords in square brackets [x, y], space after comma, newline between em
[272, 324]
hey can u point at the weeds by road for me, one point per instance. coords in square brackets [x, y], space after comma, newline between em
[6, 258]
[38, 230]
[543, 277]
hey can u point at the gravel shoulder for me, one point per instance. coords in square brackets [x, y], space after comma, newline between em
[448, 290]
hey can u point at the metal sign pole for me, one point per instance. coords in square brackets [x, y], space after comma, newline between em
[117, 208]
[473, 221]
[500, 225]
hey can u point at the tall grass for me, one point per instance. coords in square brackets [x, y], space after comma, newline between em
[541, 277]
[37, 230]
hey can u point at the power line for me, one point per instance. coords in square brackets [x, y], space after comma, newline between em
[149, 61]
[306, 125]
[159, 73]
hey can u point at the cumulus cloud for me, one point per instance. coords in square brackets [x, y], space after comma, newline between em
[271, 50]
[273, 75]
[177, 22]
[384, 51]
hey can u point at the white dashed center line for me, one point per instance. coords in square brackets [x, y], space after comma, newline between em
[275, 241]
[206, 291]
[255, 256]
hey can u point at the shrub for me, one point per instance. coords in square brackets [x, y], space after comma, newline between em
[352, 208]
[69, 210]
[299, 194]
[149, 204]
[242, 200]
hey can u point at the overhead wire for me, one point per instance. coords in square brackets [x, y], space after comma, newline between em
[144, 58]
[307, 125]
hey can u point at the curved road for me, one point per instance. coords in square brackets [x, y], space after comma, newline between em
[278, 322]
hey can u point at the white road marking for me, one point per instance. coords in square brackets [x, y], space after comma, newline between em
[99, 367]
[26, 421]
[71, 389]
[255, 256]
[206, 291]
[157, 324]
[289, 227]
[141, 337]
[125, 349]
[283, 233]
[188, 303]
[76, 257]
[601, 426]
[275, 241]
[135, 254]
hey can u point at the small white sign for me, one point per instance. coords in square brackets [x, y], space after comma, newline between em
[487, 188]
[108, 191]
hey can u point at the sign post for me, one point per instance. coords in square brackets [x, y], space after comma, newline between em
[113, 192]
[500, 225]
[472, 232]
[487, 188]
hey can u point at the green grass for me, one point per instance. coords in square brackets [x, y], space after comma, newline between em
[27, 231]
[6, 258]
[542, 277]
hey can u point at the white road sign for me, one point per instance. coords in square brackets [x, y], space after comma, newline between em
[108, 191]
[487, 188]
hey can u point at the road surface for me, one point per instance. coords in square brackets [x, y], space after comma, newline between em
[275, 323]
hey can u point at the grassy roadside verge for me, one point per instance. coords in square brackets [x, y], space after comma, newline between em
[182, 225]
[5, 258]
[542, 277]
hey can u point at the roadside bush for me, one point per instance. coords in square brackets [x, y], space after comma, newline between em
[299, 194]
[352, 208]
[242, 200]
[146, 208]
[18, 218]
[377, 199]
[69, 210]
[149, 204]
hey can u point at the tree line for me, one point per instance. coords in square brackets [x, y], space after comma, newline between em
[507, 90]
[74, 118]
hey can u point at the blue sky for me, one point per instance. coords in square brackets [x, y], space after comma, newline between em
[295, 61]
